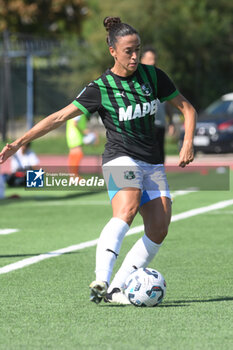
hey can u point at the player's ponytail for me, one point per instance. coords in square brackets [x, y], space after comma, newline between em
[116, 28]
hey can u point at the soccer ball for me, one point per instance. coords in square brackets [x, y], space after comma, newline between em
[145, 287]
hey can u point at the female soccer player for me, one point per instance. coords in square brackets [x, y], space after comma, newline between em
[125, 97]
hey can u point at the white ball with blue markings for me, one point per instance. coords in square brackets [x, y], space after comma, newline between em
[145, 287]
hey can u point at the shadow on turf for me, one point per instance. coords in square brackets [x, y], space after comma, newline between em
[176, 303]
[10, 200]
[113, 305]
[118, 305]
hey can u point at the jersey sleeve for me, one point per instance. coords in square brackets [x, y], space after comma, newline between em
[89, 99]
[166, 89]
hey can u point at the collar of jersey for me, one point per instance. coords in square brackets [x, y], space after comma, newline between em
[120, 77]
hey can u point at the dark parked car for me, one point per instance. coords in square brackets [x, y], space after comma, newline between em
[214, 130]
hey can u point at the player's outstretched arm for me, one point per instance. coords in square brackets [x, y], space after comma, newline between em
[46, 125]
[190, 116]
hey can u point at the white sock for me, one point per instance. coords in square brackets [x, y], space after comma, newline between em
[140, 255]
[108, 248]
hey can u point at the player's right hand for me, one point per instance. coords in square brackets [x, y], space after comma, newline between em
[186, 154]
[7, 152]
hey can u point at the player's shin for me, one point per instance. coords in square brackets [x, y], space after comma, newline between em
[108, 248]
[140, 255]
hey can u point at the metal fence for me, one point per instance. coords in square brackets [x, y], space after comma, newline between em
[30, 84]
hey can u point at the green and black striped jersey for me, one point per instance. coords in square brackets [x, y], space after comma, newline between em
[127, 107]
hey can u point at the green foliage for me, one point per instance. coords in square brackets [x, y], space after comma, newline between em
[193, 38]
[42, 17]
[198, 39]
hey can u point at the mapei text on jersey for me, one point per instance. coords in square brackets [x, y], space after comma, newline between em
[140, 110]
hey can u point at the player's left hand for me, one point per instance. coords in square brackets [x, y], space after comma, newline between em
[186, 154]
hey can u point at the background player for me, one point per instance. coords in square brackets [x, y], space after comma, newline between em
[149, 56]
[77, 134]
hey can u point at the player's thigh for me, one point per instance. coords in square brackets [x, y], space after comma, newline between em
[125, 203]
[124, 179]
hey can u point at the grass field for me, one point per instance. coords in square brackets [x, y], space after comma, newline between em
[57, 145]
[45, 305]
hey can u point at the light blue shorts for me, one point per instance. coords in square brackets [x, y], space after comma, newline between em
[124, 172]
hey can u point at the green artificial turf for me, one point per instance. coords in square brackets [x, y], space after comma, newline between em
[46, 305]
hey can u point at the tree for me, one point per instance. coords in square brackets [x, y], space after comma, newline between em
[43, 17]
[194, 40]
[197, 37]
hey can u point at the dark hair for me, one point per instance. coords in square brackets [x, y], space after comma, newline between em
[27, 145]
[116, 28]
[148, 49]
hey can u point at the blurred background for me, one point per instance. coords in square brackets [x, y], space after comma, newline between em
[50, 49]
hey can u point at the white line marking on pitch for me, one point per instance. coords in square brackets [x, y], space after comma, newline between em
[137, 229]
[223, 212]
[183, 192]
[7, 231]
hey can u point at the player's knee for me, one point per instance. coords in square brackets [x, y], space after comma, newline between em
[157, 231]
[127, 213]
[161, 230]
